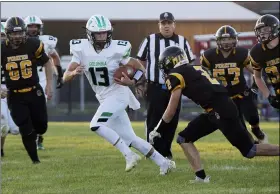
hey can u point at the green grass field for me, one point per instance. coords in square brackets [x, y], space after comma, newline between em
[78, 161]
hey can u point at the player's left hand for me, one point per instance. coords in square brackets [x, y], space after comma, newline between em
[59, 83]
[274, 102]
[49, 91]
[125, 80]
[152, 135]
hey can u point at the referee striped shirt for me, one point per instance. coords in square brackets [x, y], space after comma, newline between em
[153, 46]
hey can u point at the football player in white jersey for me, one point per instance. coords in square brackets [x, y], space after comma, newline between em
[98, 57]
[35, 29]
[7, 123]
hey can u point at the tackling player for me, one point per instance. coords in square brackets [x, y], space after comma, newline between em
[221, 112]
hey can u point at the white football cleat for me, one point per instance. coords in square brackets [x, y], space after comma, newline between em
[131, 161]
[167, 166]
[200, 180]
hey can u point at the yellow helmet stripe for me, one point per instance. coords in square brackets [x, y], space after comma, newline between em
[16, 20]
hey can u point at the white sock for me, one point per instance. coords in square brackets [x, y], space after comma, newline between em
[144, 147]
[157, 158]
[141, 145]
[112, 137]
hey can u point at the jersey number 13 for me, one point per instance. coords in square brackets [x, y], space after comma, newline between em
[99, 76]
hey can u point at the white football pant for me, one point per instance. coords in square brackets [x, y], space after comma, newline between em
[6, 119]
[111, 113]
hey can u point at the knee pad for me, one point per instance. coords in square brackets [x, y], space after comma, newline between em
[251, 153]
[181, 140]
[94, 128]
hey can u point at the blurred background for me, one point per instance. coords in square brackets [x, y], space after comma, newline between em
[133, 21]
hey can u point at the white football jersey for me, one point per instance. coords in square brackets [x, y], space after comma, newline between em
[49, 47]
[49, 43]
[100, 67]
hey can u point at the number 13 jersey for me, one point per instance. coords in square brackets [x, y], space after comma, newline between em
[100, 67]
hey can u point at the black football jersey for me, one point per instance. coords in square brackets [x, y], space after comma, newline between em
[20, 65]
[229, 71]
[268, 60]
[196, 84]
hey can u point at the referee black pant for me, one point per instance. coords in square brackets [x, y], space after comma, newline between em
[157, 100]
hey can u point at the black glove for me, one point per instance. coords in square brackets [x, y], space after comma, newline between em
[274, 101]
[59, 82]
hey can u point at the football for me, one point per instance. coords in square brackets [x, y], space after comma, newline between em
[127, 69]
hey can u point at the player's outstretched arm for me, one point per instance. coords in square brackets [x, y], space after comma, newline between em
[261, 84]
[73, 70]
[167, 116]
[172, 105]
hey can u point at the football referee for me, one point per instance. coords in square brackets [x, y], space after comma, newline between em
[156, 91]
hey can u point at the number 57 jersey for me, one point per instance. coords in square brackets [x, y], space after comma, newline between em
[100, 67]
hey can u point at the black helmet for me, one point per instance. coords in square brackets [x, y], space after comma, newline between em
[15, 30]
[226, 38]
[170, 57]
[267, 28]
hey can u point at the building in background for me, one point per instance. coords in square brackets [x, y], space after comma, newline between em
[267, 7]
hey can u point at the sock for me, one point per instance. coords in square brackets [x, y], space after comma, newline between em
[141, 145]
[29, 143]
[201, 174]
[157, 158]
[112, 137]
[124, 149]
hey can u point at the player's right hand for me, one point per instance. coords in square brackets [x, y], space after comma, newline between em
[79, 70]
[153, 134]
[274, 102]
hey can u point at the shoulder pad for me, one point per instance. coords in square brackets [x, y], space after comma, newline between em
[33, 42]
[76, 45]
[49, 40]
[123, 47]
[242, 52]
[175, 80]
[210, 52]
